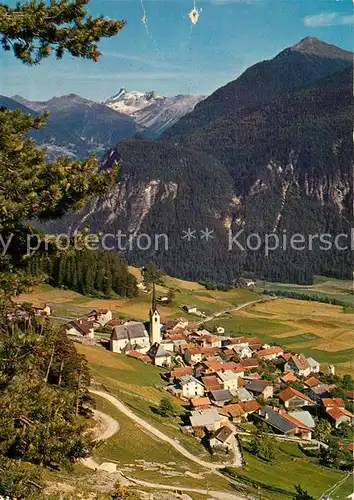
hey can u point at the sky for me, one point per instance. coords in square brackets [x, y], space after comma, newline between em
[171, 56]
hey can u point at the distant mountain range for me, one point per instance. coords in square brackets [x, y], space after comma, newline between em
[78, 127]
[152, 111]
[270, 152]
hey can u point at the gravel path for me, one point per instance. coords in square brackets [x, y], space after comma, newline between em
[124, 409]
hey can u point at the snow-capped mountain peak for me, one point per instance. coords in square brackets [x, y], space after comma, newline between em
[152, 110]
[130, 102]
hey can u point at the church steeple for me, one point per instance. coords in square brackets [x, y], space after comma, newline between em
[153, 302]
[155, 325]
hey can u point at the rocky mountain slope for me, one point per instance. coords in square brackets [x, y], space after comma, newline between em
[152, 111]
[277, 166]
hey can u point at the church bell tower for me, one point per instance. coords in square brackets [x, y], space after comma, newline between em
[155, 325]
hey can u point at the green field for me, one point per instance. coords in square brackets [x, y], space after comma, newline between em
[322, 287]
[291, 467]
[68, 304]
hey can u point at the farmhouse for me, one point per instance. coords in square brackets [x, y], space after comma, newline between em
[283, 423]
[299, 365]
[209, 419]
[291, 398]
[262, 388]
[190, 309]
[339, 415]
[159, 355]
[44, 310]
[223, 438]
[200, 403]
[270, 353]
[81, 327]
[100, 316]
[228, 380]
[191, 386]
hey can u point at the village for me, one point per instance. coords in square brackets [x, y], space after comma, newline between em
[226, 381]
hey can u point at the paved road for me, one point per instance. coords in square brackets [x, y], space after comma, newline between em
[124, 409]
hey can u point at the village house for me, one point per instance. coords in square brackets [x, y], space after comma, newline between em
[228, 380]
[339, 415]
[195, 353]
[221, 397]
[305, 417]
[191, 387]
[81, 328]
[222, 438]
[260, 388]
[286, 379]
[312, 382]
[320, 391]
[232, 411]
[44, 310]
[207, 340]
[100, 316]
[249, 364]
[244, 395]
[190, 309]
[314, 365]
[159, 355]
[130, 336]
[292, 399]
[206, 419]
[238, 411]
[177, 372]
[269, 353]
[242, 350]
[281, 422]
[299, 365]
[211, 383]
[201, 403]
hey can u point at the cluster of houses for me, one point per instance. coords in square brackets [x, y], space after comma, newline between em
[224, 379]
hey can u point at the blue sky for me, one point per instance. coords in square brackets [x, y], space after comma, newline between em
[174, 57]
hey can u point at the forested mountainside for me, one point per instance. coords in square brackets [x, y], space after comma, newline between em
[299, 65]
[283, 166]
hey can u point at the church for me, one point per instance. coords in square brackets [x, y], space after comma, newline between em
[133, 336]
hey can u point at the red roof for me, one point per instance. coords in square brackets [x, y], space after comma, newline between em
[290, 393]
[337, 412]
[312, 382]
[269, 351]
[178, 372]
[200, 402]
[211, 382]
[250, 406]
[333, 402]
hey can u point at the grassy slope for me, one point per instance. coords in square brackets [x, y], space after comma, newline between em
[291, 467]
[132, 444]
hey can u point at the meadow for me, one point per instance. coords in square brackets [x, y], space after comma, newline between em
[322, 331]
[289, 468]
[69, 304]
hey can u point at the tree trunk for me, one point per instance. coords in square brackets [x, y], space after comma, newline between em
[60, 373]
[49, 365]
[78, 392]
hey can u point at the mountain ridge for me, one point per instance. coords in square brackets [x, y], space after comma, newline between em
[287, 71]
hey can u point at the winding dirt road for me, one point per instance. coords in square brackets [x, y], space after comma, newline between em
[124, 409]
